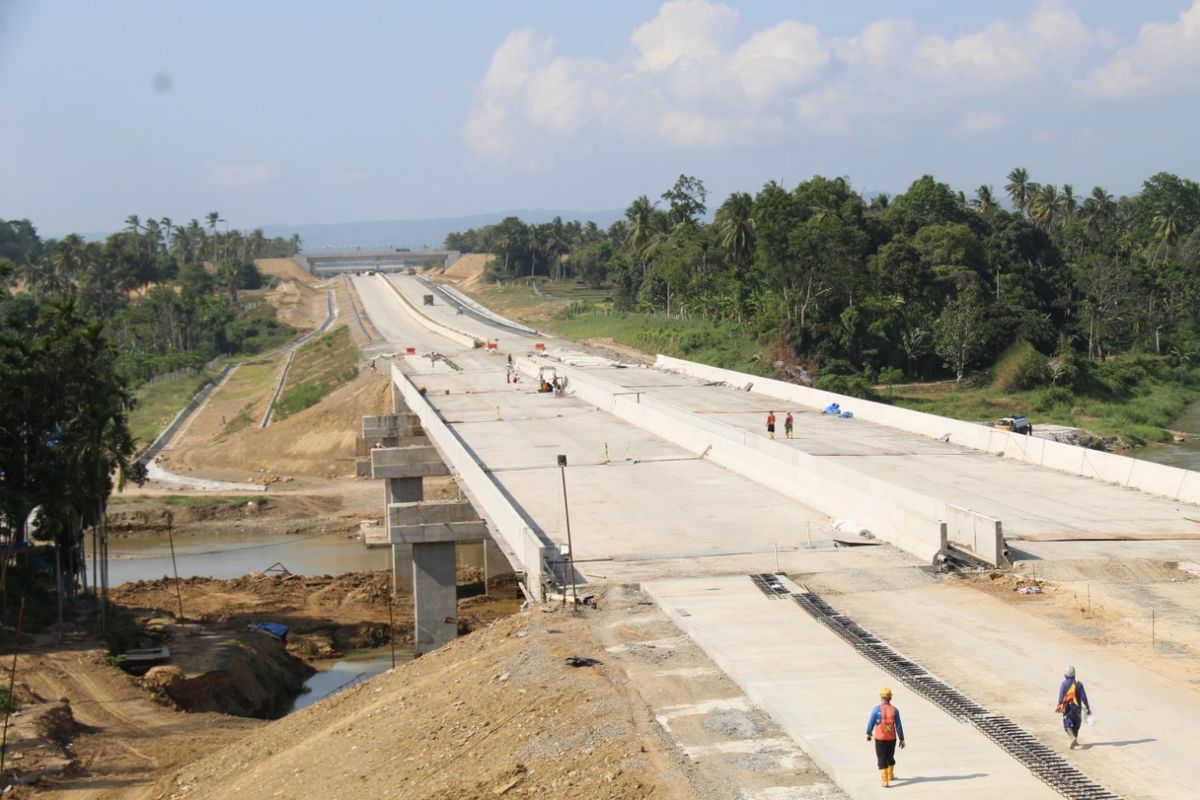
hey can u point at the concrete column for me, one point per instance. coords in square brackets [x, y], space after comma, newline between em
[495, 563]
[402, 490]
[402, 569]
[435, 596]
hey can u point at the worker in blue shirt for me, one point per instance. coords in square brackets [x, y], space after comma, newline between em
[884, 727]
[1072, 702]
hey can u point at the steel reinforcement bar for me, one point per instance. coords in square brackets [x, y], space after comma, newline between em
[1047, 765]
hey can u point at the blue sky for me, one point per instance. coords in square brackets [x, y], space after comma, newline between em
[303, 112]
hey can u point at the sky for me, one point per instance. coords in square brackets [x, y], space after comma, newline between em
[301, 112]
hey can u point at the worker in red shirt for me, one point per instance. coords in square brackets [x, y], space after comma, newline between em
[770, 424]
[788, 422]
[884, 727]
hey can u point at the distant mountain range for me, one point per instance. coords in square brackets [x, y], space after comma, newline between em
[418, 234]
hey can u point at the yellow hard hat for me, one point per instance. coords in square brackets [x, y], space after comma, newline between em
[885, 692]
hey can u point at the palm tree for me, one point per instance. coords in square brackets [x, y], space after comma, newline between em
[984, 200]
[639, 214]
[1043, 206]
[735, 227]
[153, 235]
[1019, 189]
[1068, 203]
[533, 243]
[212, 218]
[1166, 230]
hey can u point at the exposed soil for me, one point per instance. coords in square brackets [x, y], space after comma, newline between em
[494, 714]
[317, 442]
[327, 615]
[468, 270]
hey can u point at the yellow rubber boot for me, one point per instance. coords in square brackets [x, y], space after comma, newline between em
[891, 772]
[883, 777]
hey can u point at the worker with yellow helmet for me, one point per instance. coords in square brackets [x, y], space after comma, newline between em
[884, 727]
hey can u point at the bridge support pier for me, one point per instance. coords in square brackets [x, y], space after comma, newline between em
[423, 534]
[435, 595]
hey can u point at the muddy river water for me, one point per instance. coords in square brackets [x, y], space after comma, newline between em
[1185, 455]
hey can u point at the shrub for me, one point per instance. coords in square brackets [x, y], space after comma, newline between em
[891, 375]
[1021, 367]
[852, 385]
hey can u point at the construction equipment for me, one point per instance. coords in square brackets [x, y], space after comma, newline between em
[1016, 424]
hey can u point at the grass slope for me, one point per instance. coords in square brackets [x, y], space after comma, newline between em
[320, 366]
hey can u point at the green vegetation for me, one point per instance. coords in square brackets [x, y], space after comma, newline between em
[320, 366]
[197, 501]
[80, 323]
[929, 283]
[160, 403]
[1135, 396]
[8, 703]
[710, 341]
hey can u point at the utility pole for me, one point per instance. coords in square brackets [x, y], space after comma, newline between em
[174, 566]
[562, 468]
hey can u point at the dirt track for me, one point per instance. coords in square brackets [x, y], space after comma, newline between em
[129, 738]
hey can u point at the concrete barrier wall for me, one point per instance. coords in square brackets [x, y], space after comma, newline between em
[908, 520]
[1157, 479]
[522, 544]
[456, 336]
[979, 533]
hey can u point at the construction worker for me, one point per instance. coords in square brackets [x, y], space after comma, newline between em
[770, 424]
[788, 422]
[884, 727]
[1072, 702]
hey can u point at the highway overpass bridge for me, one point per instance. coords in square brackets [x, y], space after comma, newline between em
[674, 486]
[327, 264]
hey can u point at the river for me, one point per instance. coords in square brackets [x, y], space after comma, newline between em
[231, 555]
[353, 667]
[1185, 455]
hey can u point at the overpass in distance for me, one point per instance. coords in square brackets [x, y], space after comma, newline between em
[674, 486]
[329, 264]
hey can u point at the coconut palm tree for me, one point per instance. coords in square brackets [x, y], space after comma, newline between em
[1166, 230]
[640, 214]
[1019, 189]
[735, 227]
[1043, 206]
[984, 200]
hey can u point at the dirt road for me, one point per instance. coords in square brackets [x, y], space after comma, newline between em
[128, 739]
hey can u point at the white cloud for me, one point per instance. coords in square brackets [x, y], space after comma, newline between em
[883, 43]
[690, 80]
[1004, 53]
[1165, 56]
[683, 30]
[980, 123]
[237, 176]
[778, 59]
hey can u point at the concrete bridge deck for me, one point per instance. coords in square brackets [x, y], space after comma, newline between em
[690, 531]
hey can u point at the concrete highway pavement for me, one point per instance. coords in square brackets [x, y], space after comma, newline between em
[644, 510]
[1030, 500]
[821, 691]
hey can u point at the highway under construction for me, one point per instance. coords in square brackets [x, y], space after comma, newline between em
[813, 570]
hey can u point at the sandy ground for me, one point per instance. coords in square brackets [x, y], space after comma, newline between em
[327, 615]
[468, 270]
[499, 713]
[128, 739]
[318, 442]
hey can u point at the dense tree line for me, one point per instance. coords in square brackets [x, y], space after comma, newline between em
[167, 294]
[927, 280]
[80, 323]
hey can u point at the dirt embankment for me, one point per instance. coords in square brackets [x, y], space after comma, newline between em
[327, 615]
[495, 714]
[316, 442]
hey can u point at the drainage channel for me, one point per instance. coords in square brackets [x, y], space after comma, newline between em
[1048, 766]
